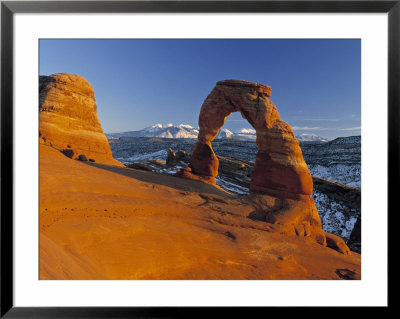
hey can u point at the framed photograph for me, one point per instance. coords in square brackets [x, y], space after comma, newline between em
[194, 155]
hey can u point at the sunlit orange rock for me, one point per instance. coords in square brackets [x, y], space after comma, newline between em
[68, 117]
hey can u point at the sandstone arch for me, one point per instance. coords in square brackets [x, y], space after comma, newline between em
[280, 169]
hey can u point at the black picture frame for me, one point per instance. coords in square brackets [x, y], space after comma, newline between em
[9, 8]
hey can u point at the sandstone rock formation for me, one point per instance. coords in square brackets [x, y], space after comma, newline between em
[280, 168]
[175, 158]
[68, 117]
[279, 172]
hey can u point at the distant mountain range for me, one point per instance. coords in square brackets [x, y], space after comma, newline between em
[187, 131]
[307, 137]
[161, 131]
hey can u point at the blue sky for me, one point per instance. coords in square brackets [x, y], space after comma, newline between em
[316, 84]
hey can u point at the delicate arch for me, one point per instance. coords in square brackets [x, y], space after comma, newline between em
[280, 168]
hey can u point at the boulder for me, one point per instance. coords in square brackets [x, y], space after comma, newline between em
[82, 158]
[68, 116]
[69, 153]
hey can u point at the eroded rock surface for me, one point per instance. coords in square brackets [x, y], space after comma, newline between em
[68, 117]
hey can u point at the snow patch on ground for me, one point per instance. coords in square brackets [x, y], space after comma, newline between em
[335, 217]
[230, 187]
[160, 155]
[345, 174]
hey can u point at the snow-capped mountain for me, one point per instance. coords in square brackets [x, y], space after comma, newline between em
[168, 131]
[161, 131]
[188, 131]
[246, 134]
[307, 137]
[225, 133]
